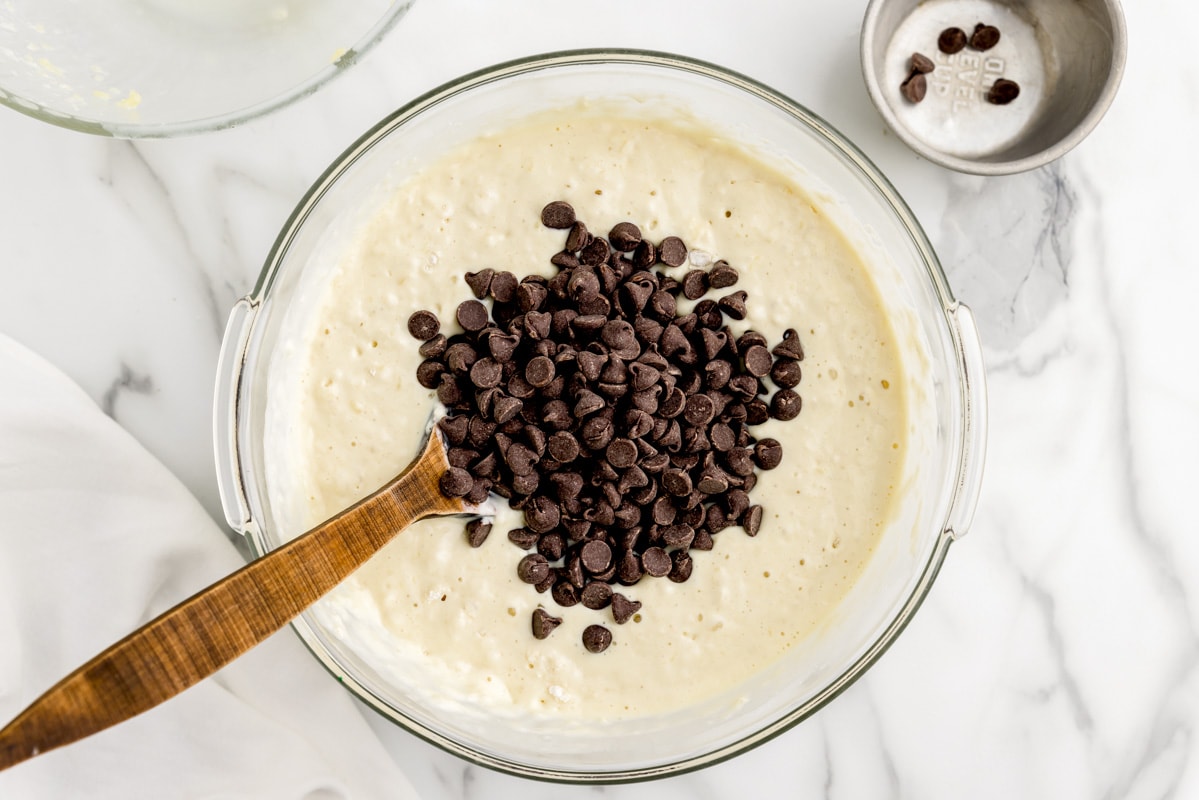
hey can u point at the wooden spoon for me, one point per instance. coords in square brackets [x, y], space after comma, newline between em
[211, 628]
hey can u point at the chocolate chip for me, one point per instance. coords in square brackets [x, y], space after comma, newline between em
[914, 88]
[578, 238]
[533, 568]
[541, 515]
[655, 562]
[790, 346]
[680, 567]
[733, 305]
[477, 531]
[423, 325]
[503, 287]
[951, 40]
[768, 453]
[429, 372]
[678, 535]
[434, 347]
[752, 520]
[471, 315]
[984, 37]
[596, 638]
[621, 453]
[596, 595]
[455, 482]
[563, 447]
[785, 405]
[539, 372]
[486, 373]
[677, 482]
[597, 433]
[623, 608]
[523, 538]
[672, 251]
[506, 408]
[479, 282]
[625, 236]
[530, 296]
[645, 254]
[594, 254]
[596, 556]
[543, 623]
[758, 361]
[699, 409]
[786, 373]
[564, 593]
[695, 284]
[1003, 92]
[921, 63]
[722, 275]
[558, 214]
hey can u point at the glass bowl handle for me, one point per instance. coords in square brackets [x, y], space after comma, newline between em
[230, 365]
[974, 421]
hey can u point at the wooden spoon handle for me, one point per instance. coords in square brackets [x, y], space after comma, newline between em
[207, 631]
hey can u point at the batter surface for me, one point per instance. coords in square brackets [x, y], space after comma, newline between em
[347, 414]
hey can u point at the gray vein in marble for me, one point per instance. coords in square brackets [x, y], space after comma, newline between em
[156, 194]
[890, 768]
[1171, 721]
[127, 381]
[1007, 249]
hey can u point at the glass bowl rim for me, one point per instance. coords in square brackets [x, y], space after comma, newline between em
[215, 122]
[853, 158]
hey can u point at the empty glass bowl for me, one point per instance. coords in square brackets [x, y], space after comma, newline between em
[156, 68]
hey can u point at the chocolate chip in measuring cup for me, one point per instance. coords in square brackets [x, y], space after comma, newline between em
[1002, 92]
[914, 88]
[951, 40]
[984, 37]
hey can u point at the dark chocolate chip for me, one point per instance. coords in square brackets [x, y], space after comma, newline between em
[543, 623]
[428, 373]
[984, 37]
[506, 408]
[722, 275]
[433, 347]
[921, 63]
[596, 556]
[699, 409]
[786, 373]
[951, 40]
[758, 361]
[578, 238]
[751, 521]
[523, 538]
[790, 346]
[423, 325]
[596, 595]
[596, 638]
[503, 287]
[539, 372]
[621, 453]
[655, 562]
[558, 214]
[645, 255]
[681, 566]
[678, 535]
[479, 282]
[486, 373]
[471, 315]
[595, 253]
[733, 305]
[563, 447]
[625, 236]
[541, 515]
[695, 284]
[623, 608]
[533, 568]
[672, 251]
[477, 531]
[785, 405]
[564, 593]
[455, 482]
[914, 88]
[1002, 92]
[768, 453]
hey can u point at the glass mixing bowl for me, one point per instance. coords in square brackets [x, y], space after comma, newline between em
[157, 68]
[945, 394]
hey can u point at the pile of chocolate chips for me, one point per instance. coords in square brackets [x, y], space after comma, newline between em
[950, 41]
[618, 425]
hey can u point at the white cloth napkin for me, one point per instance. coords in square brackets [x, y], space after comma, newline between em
[97, 537]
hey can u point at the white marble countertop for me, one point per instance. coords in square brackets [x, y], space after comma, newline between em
[1058, 654]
